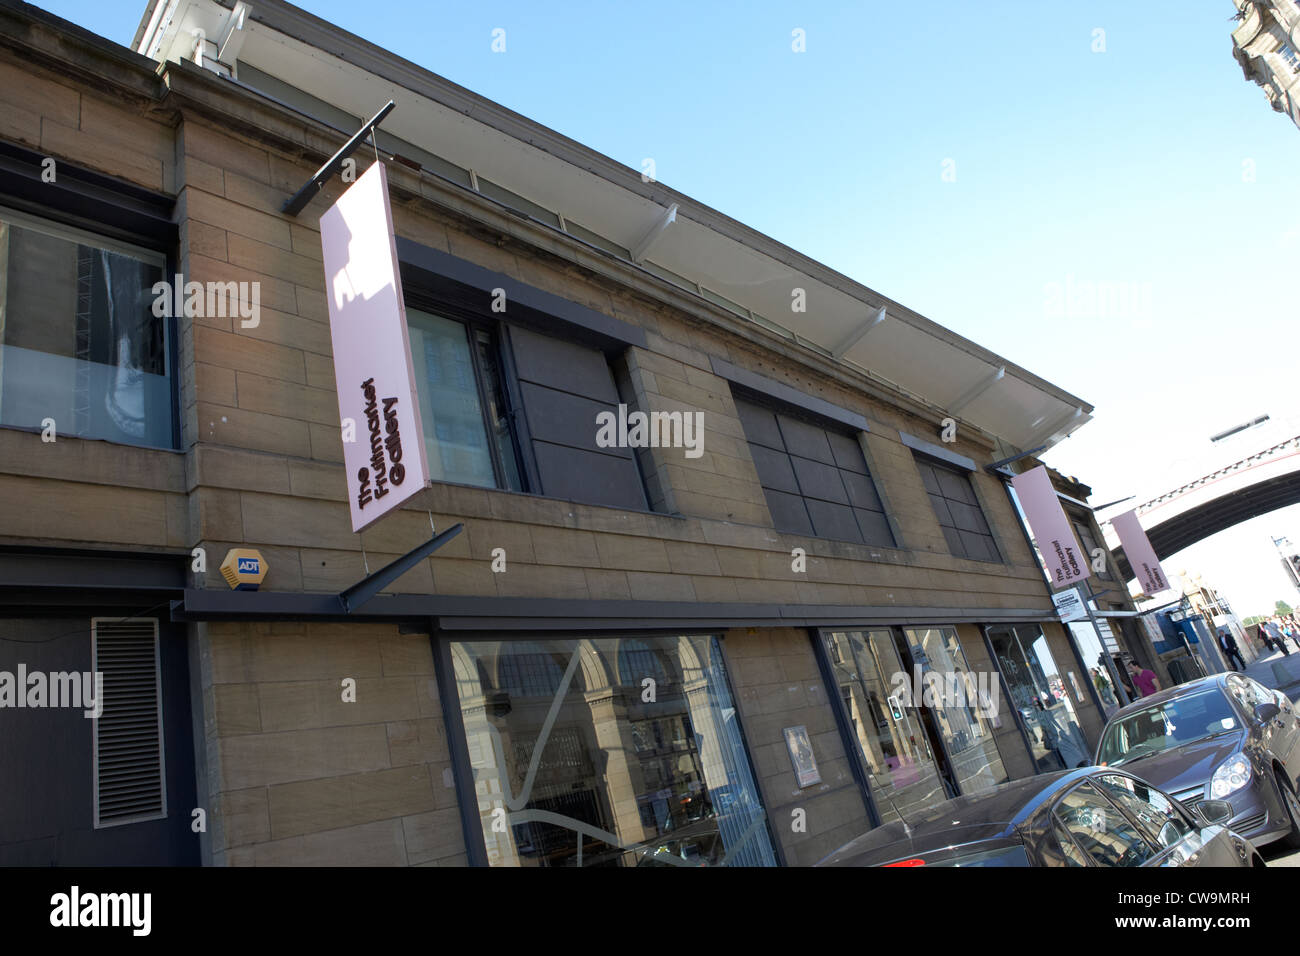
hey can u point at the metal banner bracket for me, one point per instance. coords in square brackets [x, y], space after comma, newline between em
[361, 592]
[334, 164]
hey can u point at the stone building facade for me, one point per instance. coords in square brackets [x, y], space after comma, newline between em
[1266, 45]
[627, 656]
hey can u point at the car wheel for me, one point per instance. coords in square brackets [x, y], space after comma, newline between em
[1289, 800]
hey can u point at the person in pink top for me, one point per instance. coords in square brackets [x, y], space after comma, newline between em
[1144, 680]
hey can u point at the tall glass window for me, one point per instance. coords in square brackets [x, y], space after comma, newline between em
[1040, 692]
[1101, 668]
[467, 433]
[964, 724]
[609, 751]
[901, 767]
[79, 341]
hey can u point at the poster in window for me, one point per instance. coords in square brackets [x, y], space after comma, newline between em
[801, 756]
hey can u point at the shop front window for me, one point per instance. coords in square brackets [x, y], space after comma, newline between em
[1041, 693]
[887, 726]
[609, 751]
[1102, 673]
[965, 719]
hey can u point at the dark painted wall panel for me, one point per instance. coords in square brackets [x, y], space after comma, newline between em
[46, 775]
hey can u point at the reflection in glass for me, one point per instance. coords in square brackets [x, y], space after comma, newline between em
[1100, 670]
[580, 761]
[901, 768]
[1039, 692]
[967, 732]
[79, 341]
[1101, 830]
[455, 438]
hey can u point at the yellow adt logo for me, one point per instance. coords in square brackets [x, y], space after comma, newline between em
[244, 569]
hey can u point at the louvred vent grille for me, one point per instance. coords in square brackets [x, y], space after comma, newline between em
[128, 732]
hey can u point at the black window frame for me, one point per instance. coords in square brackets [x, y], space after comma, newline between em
[474, 323]
[469, 308]
[779, 408]
[922, 460]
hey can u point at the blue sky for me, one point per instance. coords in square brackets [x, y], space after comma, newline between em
[1127, 167]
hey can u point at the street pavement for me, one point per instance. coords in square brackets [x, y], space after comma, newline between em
[1281, 673]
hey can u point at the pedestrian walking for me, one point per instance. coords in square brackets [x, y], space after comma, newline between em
[1144, 680]
[1230, 650]
[1269, 634]
[1274, 630]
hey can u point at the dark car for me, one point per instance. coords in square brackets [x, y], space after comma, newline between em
[1096, 816]
[1224, 737]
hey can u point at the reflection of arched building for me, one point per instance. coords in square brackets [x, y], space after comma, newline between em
[617, 756]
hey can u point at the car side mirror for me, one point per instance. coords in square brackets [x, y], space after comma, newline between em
[1266, 712]
[1214, 812]
[1169, 835]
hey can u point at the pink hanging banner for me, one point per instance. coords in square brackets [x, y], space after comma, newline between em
[1066, 563]
[379, 409]
[1141, 556]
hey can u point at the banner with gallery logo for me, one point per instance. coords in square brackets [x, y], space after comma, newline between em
[379, 409]
[1141, 556]
[1066, 563]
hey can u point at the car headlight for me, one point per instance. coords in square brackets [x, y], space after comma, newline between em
[1231, 776]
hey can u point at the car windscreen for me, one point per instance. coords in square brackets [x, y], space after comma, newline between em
[1161, 727]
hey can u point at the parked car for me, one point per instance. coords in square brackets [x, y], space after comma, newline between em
[1223, 737]
[1095, 816]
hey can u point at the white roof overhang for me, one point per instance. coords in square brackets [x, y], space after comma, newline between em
[843, 319]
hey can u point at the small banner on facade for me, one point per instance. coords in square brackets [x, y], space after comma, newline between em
[1141, 556]
[1066, 563]
[379, 411]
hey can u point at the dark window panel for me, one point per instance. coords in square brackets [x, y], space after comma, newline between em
[847, 452]
[774, 469]
[862, 492]
[563, 365]
[804, 440]
[978, 546]
[967, 517]
[941, 511]
[875, 528]
[589, 477]
[788, 512]
[955, 487]
[759, 425]
[566, 419]
[955, 545]
[833, 521]
[928, 478]
[819, 481]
